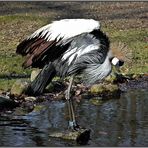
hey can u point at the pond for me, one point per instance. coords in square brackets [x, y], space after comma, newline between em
[121, 121]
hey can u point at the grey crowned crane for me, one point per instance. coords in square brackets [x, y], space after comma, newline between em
[68, 47]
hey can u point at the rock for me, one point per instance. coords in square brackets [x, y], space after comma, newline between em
[34, 74]
[103, 88]
[24, 108]
[6, 102]
[82, 136]
[111, 87]
[50, 87]
[111, 78]
[55, 86]
[118, 78]
[19, 87]
[60, 96]
[30, 98]
[122, 78]
[19, 111]
[38, 108]
[28, 106]
[97, 88]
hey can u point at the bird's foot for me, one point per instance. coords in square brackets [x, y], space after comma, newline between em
[73, 126]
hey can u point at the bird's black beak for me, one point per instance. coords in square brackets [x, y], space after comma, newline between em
[119, 64]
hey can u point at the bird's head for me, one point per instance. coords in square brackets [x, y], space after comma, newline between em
[120, 54]
[117, 62]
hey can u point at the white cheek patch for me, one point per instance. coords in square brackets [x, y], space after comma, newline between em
[115, 61]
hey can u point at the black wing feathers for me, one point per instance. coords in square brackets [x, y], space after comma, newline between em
[39, 52]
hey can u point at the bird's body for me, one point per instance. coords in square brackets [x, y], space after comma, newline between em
[70, 46]
[67, 48]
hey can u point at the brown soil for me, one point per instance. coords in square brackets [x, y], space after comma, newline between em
[121, 15]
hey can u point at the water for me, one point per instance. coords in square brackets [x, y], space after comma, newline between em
[119, 121]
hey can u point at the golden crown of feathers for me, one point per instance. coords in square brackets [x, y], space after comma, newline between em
[121, 51]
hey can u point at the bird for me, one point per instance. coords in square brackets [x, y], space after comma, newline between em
[68, 47]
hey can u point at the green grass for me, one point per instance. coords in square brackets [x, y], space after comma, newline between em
[6, 84]
[14, 28]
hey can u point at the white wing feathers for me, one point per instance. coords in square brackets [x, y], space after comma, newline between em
[65, 29]
[75, 52]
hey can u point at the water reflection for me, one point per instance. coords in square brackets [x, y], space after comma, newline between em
[117, 122]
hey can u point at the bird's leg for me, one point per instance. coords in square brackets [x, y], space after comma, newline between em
[72, 122]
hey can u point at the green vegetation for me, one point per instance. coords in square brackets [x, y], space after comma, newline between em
[14, 28]
[6, 84]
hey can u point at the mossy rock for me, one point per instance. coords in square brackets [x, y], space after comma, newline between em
[50, 87]
[39, 108]
[34, 74]
[111, 87]
[81, 136]
[55, 86]
[19, 87]
[19, 111]
[103, 88]
[24, 108]
[111, 78]
[6, 102]
[30, 98]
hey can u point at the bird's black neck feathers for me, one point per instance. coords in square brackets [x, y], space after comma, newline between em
[104, 40]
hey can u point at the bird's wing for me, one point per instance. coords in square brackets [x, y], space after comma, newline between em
[92, 57]
[85, 49]
[49, 42]
[39, 52]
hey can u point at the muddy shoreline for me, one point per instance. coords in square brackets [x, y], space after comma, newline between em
[25, 104]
